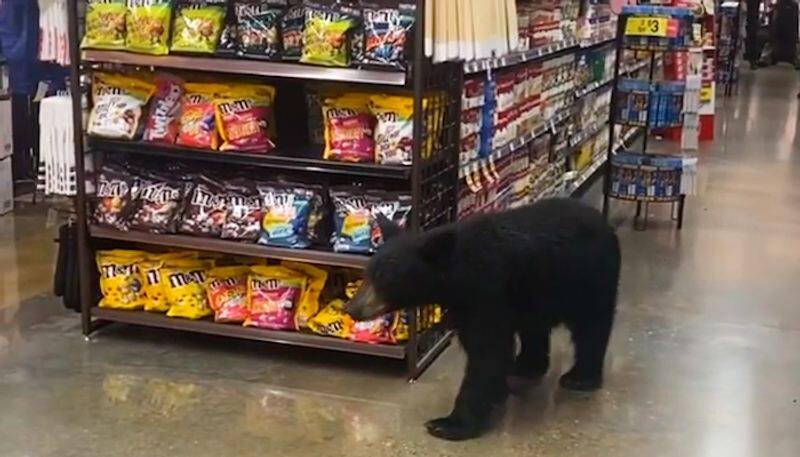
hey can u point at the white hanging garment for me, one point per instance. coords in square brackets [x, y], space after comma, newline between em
[56, 146]
[53, 30]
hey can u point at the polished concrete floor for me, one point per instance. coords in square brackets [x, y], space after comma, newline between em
[705, 357]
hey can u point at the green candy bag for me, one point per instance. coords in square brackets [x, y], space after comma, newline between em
[105, 24]
[198, 26]
[148, 26]
[325, 37]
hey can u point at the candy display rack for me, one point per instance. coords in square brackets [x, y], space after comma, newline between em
[431, 180]
[643, 176]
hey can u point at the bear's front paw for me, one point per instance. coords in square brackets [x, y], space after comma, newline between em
[574, 380]
[454, 428]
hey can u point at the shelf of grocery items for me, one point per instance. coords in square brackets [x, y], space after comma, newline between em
[520, 141]
[308, 159]
[516, 58]
[210, 327]
[315, 256]
[249, 67]
[591, 87]
[597, 41]
[587, 134]
[595, 170]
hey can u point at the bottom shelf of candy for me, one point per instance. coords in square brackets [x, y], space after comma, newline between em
[289, 302]
[640, 177]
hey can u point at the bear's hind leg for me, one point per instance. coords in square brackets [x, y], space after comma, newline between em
[489, 347]
[533, 359]
[590, 336]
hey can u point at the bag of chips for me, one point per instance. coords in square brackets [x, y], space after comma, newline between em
[227, 293]
[157, 204]
[162, 122]
[272, 294]
[113, 197]
[355, 217]
[120, 283]
[293, 24]
[119, 101]
[332, 320]
[105, 24]
[394, 131]
[205, 209]
[198, 125]
[308, 305]
[198, 25]
[243, 212]
[244, 116]
[349, 129]
[153, 281]
[258, 27]
[286, 210]
[325, 37]
[387, 32]
[148, 26]
[184, 287]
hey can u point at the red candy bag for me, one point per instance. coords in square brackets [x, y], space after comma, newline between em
[198, 126]
[349, 129]
[162, 123]
[272, 295]
[227, 293]
[244, 117]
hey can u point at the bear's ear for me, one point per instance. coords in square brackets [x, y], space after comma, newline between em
[437, 247]
[388, 228]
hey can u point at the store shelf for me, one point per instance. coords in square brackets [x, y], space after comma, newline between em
[587, 134]
[595, 170]
[517, 143]
[308, 159]
[597, 41]
[248, 67]
[594, 86]
[319, 257]
[516, 58]
[237, 331]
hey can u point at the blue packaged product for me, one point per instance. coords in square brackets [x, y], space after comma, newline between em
[356, 218]
[286, 210]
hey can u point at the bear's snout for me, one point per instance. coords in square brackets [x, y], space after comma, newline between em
[366, 304]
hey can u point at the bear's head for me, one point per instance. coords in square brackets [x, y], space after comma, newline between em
[407, 272]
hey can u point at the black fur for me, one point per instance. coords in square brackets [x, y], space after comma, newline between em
[520, 272]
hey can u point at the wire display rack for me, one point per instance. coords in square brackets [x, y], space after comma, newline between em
[431, 180]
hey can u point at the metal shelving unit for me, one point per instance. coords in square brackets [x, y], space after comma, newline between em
[432, 182]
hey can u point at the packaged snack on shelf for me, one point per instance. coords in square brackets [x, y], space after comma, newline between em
[332, 320]
[120, 283]
[147, 26]
[293, 24]
[355, 215]
[157, 204]
[119, 101]
[258, 27]
[185, 290]
[308, 305]
[244, 116]
[320, 218]
[105, 24]
[162, 121]
[394, 131]
[153, 282]
[349, 129]
[286, 209]
[198, 125]
[325, 37]
[205, 209]
[227, 39]
[387, 32]
[227, 293]
[114, 197]
[198, 25]
[400, 329]
[272, 294]
[243, 217]
[374, 331]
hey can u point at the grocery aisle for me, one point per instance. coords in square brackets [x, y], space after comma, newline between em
[703, 360]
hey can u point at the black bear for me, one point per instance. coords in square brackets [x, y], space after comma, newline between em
[521, 272]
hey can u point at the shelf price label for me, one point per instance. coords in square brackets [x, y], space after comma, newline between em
[651, 26]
